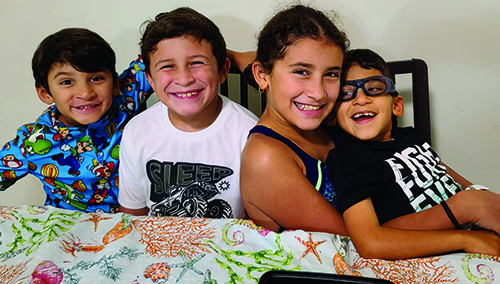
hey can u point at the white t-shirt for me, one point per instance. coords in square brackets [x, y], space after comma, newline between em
[185, 174]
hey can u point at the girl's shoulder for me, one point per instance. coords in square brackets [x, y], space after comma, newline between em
[262, 147]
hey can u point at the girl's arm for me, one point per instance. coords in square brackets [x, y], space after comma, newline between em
[276, 192]
[240, 59]
[374, 241]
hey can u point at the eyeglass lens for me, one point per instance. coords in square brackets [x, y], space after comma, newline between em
[371, 87]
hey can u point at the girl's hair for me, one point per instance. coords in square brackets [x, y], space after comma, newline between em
[366, 59]
[288, 26]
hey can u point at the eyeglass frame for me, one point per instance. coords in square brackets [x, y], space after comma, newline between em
[390, 87]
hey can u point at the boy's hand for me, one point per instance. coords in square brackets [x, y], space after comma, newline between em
[488, 210]
[483, 242]
[481, 207]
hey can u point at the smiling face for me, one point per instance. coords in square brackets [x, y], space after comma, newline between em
[185, 77]
[303, 86]
[82, 98]
[364, 117]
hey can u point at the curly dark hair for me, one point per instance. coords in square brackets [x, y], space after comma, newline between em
[288, 26]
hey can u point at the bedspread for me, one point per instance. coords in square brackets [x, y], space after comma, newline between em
[40, 243]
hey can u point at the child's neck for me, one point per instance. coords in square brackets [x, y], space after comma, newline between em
[314, 142]
[199, 121]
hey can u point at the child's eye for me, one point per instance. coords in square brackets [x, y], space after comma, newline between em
[301, 72]
[346, 92]
[65, 82]
[167, 67]
[197, 63]
[96, 78]
[332, 74]
[375, 90]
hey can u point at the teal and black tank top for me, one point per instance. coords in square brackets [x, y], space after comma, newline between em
[316, 171]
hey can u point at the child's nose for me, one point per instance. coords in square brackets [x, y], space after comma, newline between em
[316, 90]
[184, 77]
[86, 91]
[361, 97]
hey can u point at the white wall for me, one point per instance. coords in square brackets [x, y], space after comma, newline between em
[459, 40]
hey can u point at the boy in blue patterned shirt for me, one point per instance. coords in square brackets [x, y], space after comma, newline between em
[73, 146]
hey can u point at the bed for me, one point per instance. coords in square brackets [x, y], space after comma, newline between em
[41, 244]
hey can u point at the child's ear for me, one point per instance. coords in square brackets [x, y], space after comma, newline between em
[398, 107]
[150, 80]
[44, 96]
[116, 87]
[224, 71]
[260, 75]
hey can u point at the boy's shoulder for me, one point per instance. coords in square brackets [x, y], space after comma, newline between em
[156, 115]
[152, 114]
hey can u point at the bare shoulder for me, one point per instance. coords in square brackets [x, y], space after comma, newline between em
[267, 163]
[265, 153]
[273, 180]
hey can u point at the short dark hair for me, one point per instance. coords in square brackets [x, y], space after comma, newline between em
[83, 49]
[182, 21]
[286, 27]
[366, 59]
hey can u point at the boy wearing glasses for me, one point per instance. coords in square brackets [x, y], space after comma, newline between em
[381, 173]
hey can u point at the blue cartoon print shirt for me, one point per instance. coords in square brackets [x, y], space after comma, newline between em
[77, 166]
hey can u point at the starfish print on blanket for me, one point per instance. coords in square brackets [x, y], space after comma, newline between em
[310, 247]
[188, 265]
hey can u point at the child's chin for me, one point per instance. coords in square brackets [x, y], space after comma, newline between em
[86, 122]
[311, 126]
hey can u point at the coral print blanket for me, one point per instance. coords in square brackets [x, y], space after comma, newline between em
[41, 244]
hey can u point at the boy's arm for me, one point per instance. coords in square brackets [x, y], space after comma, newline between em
[458, 178]
[240, 59]
[472, 206]
[481, 207]
[434, 218]
[13, 164]
[374, 241]
[131, 194]
[133, 83]
[137, 212]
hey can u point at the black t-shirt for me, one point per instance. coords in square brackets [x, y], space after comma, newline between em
[401, 176]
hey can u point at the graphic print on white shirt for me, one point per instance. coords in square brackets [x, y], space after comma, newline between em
[193, 174]
[188, 189]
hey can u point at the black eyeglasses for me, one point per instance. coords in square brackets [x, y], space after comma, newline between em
[372, 86]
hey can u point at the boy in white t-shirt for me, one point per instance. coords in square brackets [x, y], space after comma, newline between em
[181, 157]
